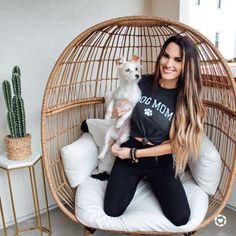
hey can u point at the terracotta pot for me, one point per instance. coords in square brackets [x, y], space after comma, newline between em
[18, 148]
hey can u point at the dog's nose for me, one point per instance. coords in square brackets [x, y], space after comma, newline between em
[137, 76]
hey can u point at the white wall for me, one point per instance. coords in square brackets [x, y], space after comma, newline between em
[209, 19]
[33, 35]
[165, 8]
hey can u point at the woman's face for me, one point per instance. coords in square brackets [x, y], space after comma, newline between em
[171, 62]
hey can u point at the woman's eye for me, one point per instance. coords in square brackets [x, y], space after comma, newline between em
[127, 70]
[178, 59]
[165, 55]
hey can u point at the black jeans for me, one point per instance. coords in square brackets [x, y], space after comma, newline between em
[159, 171]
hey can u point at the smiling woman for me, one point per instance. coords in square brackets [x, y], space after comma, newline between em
[171, 66]
[175, 138]
[178, 66]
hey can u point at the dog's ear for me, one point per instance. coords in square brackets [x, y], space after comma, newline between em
[136, 58]
[120, 61]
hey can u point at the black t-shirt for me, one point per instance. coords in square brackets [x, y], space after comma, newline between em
[152, 115]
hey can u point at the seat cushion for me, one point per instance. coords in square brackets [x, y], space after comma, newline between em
[143, 213]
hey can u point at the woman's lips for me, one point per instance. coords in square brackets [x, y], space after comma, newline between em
[167, 70]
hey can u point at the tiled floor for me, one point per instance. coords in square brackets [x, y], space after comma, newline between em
[62, 226]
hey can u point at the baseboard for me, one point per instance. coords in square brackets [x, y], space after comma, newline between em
[27, 217]
[233, 208]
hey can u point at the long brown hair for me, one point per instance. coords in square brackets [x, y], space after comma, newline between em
[187, 124]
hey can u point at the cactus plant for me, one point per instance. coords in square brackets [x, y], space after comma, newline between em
[15, 105]
[10, 115]
[16, 70]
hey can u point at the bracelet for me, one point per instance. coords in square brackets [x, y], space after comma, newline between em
[174, 159]
[133, 155]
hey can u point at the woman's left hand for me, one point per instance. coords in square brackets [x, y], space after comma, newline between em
[121, 152]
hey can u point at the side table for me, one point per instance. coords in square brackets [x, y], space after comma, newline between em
[30, 163]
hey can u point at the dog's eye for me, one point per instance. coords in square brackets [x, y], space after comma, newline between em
[136, 68]
[127, 70]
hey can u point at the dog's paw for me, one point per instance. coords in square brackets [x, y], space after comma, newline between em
[119, 123]
[100, 156]
[107, 116]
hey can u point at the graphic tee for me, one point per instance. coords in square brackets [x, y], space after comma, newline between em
[152, 115]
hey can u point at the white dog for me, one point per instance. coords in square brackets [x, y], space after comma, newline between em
[129, 73]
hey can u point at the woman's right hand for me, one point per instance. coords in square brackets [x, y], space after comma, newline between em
[121, 152]
[120, 108]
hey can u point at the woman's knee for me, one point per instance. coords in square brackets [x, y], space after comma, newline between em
[112, 210]
[180, 218]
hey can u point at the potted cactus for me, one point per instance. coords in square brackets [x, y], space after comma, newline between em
[18, 143]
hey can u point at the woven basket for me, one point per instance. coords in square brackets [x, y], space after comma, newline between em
[18, 148]
[85, 72]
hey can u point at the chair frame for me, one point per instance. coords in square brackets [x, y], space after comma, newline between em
[85, 71]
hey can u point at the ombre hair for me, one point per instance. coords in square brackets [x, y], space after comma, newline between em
[187, 124]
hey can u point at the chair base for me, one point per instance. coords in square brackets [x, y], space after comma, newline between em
[193, 233]
[88, 231]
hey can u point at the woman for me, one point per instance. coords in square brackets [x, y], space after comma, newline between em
[166, 128]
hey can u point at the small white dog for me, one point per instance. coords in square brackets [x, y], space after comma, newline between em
[129, 73]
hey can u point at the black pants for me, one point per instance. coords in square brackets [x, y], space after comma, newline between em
[167, 188]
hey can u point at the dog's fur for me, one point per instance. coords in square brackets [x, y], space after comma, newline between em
[129, 74]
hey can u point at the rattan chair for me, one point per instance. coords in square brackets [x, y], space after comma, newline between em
[85, 71]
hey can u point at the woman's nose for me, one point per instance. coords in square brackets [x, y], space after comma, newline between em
[169, 62]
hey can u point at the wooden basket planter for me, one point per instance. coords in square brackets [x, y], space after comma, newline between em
[18, 148]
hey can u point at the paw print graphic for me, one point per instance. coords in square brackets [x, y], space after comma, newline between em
[148, 112]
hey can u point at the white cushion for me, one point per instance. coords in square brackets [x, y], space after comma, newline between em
[206, 170]
[143, 213]
[79, 159]
[98, 128]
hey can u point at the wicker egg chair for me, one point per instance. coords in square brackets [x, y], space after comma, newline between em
[85, 71]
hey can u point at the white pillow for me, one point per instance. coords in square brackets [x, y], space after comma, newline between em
[79, 159]
[98, 128]
[206, 170]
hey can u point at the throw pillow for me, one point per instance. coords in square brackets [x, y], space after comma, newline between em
[79, 159]
[98, 128]
[206, 170]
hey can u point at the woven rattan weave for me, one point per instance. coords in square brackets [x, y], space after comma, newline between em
[86, 70]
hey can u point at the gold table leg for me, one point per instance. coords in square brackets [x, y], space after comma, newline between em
[35, 199]
[12, 203]
[3, 219]
[46, 200]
